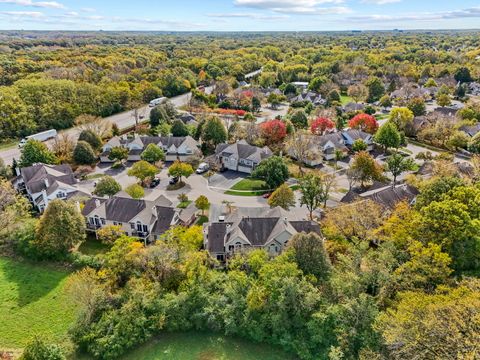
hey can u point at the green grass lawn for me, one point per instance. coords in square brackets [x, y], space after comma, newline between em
[92, 246]
[345, 99]
[9, 144]
[184, 204]
[201, 346]
[202, 219]
[33, 301]
[248, 187]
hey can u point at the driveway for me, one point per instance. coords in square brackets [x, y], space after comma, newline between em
[226, 180]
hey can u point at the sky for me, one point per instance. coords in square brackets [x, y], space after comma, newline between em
[238, 15]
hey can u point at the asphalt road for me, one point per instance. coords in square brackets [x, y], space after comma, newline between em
[123, 120]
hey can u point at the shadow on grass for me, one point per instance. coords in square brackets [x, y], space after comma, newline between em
[32, 280]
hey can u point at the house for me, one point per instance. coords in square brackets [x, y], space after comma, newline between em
[188, 119]
[255, 228]
[309, 96]
[43, 183]
[241, 156]
[351, 135]
[329, 144]
[145, 219]
[351, 107]
[471, 130]
[175, 148]
[388, 196]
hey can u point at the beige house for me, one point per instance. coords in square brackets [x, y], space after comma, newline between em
[241, 156]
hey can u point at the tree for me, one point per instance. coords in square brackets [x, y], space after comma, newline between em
[202, 203]
[153, 154]
[256, 104]
[214, 132]
[110, 233]
[90, 137]
[273, 131]
[417, 106]
[358, 93]
[385, 101]
[366, 168]
[317, 82]
[180, 169]
[376, 89]
[118, 153]
[430, 83]
[315, 190]
[95, 124]
[59, 230]
[401, 117]
[299, 119]
[338, 155]
[444, 100]
[115, 130]
[442, 325]
[5, 171]
[397, 164]
[274, 100]
[364, 122]
[310, 255]
[39, 349]
[14, 210]
[36, 152]
[142, 170]
[179, 128]
[84, 154]
[462, 75]
[135, 191]
[333, 97]
[388, 136]
[299, 146]
[283, 196]
[107, 186]
[273, 171]
[359, 145]
[320, 125]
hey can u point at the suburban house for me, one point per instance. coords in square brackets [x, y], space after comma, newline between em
[352, 106]
[145, 219]
[43, 183]
[309, 96]
[241, 156]
[471, 130]
[255, 228]
[351, 135]
[329, 144]
[175, 147]
[388, 196]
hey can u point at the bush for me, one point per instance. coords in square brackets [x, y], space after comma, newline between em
[38, 349]
[90, 137]
[84, 154]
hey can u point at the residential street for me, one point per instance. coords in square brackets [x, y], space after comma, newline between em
[123, 120]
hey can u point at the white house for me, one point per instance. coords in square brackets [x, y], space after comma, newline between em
[43, 183]
[241, 156]
[175, 148]
[351, 135]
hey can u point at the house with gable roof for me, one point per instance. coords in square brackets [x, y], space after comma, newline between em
[241, 156]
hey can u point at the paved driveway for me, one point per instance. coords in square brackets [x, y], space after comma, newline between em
[225, 180]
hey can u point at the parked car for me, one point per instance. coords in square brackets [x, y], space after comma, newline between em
[155, 182]
[266, 195]
[202, 168]
[173, 180]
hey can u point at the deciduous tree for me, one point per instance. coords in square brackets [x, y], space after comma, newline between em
[273, 171]
[283, 196]
[364, 122]
[142, 170]
[107, 186]
[36, 152]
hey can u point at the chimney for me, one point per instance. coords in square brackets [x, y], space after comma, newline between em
[97, 203]
[77, 204]
[47, 183]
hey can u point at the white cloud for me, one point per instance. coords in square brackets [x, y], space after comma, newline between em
[40, 4]
[425, 16]
[248, 16]
[89, 10]
[301, 7]
[29, 14]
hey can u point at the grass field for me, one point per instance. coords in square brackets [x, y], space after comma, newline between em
[33, 301]
[200, 346]
[248, 187]
[344, 99]
[10, 144]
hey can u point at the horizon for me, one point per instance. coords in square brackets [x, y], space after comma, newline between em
[239, 15]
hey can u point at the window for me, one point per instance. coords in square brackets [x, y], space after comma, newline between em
[132, 226]
[61, 195]
[97, 220]
[103, 221]
[145, 228]
[139, 226]
[114, 223]
[91, 221]
[119, 224]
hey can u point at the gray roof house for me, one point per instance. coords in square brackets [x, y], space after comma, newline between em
[351, 135]
[264, 228]
[145, 219]
[471, 130]
[175, 148]
[241, 156]
[309, 96]
[352, 106]
[387, 196]
[43, 183]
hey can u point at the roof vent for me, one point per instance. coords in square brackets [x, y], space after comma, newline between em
[221, 218]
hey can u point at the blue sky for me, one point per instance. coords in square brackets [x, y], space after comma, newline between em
[238, 15]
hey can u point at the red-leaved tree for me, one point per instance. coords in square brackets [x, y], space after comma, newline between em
[273, 131]
[320, 125]
[364, 122]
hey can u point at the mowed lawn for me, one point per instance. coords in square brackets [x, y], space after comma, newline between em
[248, 187]
[33, 300]
[201, 346]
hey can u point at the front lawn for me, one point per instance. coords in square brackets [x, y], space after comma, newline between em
[345, 99]
[33, 300]
[184, 204]
[93, 246]
[248, 187]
